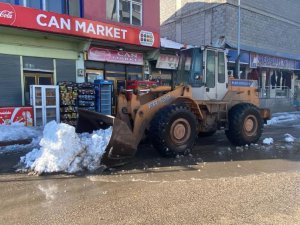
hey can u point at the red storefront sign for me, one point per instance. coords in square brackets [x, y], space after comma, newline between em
[10, 115]
[167, 62]
[109, 55]
[18, 16]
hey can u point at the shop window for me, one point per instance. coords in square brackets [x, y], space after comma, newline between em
[125, 11]
[33, 4]
[111, 10]
[71, 7]
[55, 6]
[9, 1]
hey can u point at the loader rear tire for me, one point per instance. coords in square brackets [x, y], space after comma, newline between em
[173, 130]
[245, 124]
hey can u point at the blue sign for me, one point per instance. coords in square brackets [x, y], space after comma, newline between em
[297, 65]
[258, 60]
[243, 83]
[232, 56]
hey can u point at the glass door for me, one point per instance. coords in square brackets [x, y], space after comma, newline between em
[51, 104]
[210, 79]
[31, 78]
[38, 103]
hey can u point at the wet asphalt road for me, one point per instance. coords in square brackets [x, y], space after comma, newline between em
[216, 184]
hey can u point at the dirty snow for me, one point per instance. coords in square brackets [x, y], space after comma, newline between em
[18, 131]
[289, 138]
[283, 117]
[268, 141]
[62, 150]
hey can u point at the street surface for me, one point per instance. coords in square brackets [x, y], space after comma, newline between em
[216, 184]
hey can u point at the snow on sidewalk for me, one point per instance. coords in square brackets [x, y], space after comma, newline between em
[283, 117]
[63, 150]
[18, 132]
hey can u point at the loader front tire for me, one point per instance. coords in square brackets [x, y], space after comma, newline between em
[245, 124]
[173, 130]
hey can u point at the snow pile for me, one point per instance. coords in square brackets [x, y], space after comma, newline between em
[268, 141]
[289, 138]
[62, 150]
[283, 117]
[18, 131]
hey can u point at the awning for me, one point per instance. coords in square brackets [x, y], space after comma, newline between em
[232, 56]
[264, 51]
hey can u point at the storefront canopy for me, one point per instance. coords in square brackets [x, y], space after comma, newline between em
[264, 51]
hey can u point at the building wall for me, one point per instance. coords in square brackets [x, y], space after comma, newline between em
[96, 10]
[272, 26]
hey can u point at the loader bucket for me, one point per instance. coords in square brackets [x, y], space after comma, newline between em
[122, 144]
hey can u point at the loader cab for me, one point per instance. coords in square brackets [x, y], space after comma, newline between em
[205, 69]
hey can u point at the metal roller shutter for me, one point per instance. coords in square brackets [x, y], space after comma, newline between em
[10, 85]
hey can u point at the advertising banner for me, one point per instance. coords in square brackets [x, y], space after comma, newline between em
[167, 62]
[109, 55]
[22, 17]
[258, 60]
[10, 115]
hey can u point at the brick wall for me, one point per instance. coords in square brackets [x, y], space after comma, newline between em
[264, 30]
[272, 26]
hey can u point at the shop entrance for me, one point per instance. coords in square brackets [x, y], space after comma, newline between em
[35, 79]
[92, 75]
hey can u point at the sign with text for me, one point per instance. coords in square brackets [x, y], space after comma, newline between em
[258, 60]
[167, 62]
[110, 55]
[22, 17]
[11, 115]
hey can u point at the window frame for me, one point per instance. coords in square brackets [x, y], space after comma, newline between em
[212, 75]
[65, 6]
[132, 2]
[221, 67]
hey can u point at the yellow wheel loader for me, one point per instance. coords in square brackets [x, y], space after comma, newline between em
[203, 99]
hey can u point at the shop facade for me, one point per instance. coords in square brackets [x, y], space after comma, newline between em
[42, 47]
[277, 77]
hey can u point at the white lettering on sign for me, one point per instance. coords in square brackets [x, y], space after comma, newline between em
[5, 113]
[80, 26]
[162, 100]
[6, 14]
[105, 31]
[39, 20]
[63, 24]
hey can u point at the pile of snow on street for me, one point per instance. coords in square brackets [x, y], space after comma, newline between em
[63, 150]
[289, 138]
[268, 141]
[18, 131]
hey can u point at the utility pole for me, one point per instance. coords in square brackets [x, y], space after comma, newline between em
[237, 62]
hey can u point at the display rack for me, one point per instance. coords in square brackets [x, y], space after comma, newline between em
[68, 102]
[86, 96]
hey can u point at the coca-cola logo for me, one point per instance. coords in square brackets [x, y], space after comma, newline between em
[7, 14]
